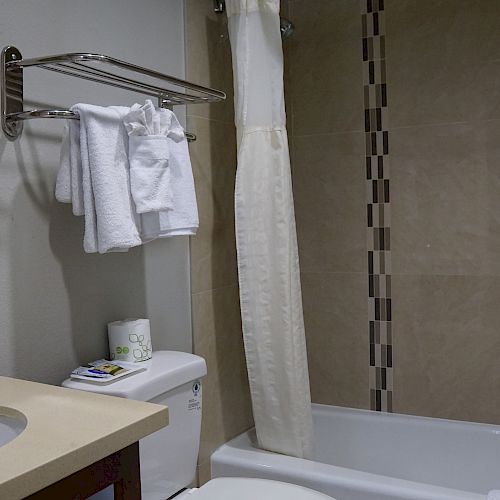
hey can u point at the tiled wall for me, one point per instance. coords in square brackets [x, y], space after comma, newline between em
[325, 111]
[442, 63]
[442, 118]
[443, 71]
[216, 315]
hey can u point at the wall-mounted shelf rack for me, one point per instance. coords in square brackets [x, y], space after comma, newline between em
[170, 91]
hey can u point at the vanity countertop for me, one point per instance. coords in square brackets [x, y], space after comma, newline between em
[66, 431]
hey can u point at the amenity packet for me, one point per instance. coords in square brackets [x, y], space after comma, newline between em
[105, 371]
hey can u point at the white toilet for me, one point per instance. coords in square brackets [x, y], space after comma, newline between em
[169, 456]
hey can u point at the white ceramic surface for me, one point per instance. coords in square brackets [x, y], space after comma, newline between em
[169, 456]
[12, 423]
[363, 455]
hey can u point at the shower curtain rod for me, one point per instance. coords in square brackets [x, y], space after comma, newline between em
[152, 83]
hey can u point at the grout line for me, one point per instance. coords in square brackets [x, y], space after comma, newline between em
[222, 287]
[444, 275]
[355, 273]
[428, 125]
[445, 124]
[341, 132]
[216, 120]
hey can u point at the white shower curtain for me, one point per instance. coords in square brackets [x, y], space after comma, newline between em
[268, 265]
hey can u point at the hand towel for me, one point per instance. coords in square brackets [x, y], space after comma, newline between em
[161, 176]
[182, 219]
[96, 169]
[149, 153]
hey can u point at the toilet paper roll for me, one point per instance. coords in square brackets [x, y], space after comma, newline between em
[130, 340]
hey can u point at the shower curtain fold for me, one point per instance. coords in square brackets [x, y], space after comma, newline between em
[268, 264]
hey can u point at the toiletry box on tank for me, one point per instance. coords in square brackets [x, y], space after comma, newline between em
[172, 379]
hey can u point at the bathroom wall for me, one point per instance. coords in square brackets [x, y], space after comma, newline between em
[402, 318]
[55, 300]
[324, 94]
[216, 315]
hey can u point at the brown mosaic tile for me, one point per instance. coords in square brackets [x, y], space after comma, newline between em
[378, 204]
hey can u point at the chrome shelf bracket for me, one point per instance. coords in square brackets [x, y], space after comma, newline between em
[11, 93]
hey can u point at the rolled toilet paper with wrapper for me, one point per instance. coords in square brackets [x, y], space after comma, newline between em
[130, 340]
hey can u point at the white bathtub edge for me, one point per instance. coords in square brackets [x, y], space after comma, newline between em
[239, 458]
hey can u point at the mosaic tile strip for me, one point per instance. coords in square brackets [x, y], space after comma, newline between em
[378, 205]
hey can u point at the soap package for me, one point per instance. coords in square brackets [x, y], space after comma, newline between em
[130, 340]
[104, 371]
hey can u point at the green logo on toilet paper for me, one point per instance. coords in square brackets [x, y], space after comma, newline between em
[122, 350]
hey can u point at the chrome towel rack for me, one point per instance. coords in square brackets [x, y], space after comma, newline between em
[170, 91]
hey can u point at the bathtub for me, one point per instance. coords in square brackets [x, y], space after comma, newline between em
[364, 455]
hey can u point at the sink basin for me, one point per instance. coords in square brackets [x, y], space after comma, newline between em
[12, 423]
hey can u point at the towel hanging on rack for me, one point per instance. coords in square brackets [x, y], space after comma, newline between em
[97, 177]
[94, 177]
[149, 155]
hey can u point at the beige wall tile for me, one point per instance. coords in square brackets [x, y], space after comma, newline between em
[335, 314]
[325, 54]
[226, 397]
[440, 60]
[213, 249]
[443, 68]
[215, 301]
[329, 190]
[322, 61]
[446, 345]
[458, 30]
[204, 473]
[208, 57]
[445, 210]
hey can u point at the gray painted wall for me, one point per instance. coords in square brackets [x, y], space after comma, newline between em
[55, 300]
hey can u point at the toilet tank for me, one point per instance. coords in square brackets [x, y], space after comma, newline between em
[168, 456]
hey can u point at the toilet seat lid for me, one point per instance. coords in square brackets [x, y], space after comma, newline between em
[231, 488]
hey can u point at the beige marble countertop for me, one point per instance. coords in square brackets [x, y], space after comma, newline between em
[66, 431]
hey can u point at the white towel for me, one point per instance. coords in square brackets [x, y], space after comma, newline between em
[161, 176]
[150, 173]
[149, 153]
[494, 495]
[69, 187]
[94, 176]
[183, 218]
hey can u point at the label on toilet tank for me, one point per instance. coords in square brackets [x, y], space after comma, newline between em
[194, 402]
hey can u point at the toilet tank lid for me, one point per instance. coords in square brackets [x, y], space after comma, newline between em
[166, 371]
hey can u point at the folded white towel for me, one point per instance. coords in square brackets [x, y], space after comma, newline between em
[150, 182]
[149, 152]
[95, 171]
[183, 218]
[146, 119]
[494, 495]
[161, 176]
